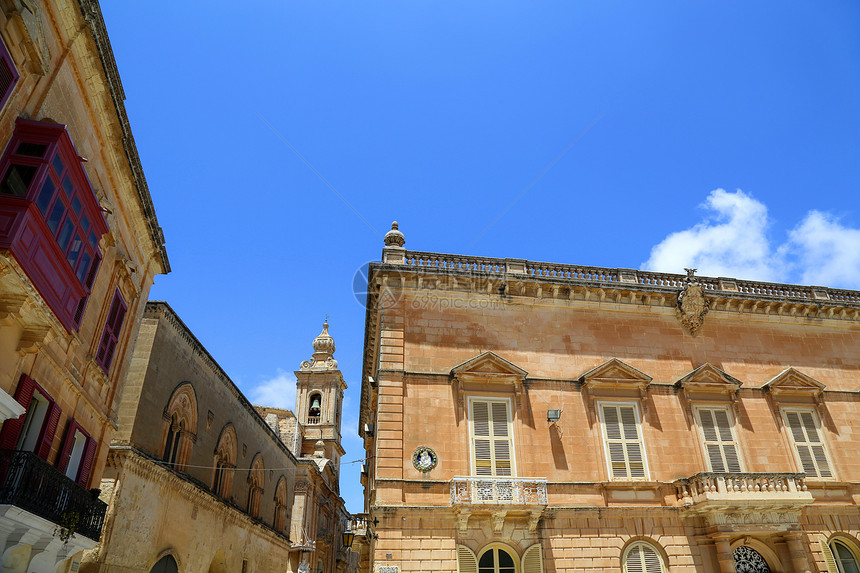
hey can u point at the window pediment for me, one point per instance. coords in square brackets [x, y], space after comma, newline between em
[794, 382]
[488, 369]
[708, 378]
[615, 374]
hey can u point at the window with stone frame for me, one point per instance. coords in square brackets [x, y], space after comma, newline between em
[491, 432]
[35, 430]
[8, 74]
[642, 557]
[110, 334]
[256, 484]
[716, 430]
[622, 438]
[225, 462]
[806, 435]
[844, 556]
[279, 522]
[180, 426]
[77, 454]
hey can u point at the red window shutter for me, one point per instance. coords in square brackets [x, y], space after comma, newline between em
[110, 335]
[68, 442]
[8, 74]
[87, 463]
[12, 428]
[49, 430]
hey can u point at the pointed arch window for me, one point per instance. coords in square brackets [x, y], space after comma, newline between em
[280, 520]
[181, 426]
[256, 484]
[225, 462]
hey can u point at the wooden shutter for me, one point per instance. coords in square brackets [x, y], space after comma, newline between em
[12, 427]
[642, 558]
[491, 435]
[110, 335]
[623, 441]
[8, 74]
[87, 460]
[720, 446]
[829, 559]
[66, 449]
[807, 441]
[466, 560]
[532, 561]
[49, 430]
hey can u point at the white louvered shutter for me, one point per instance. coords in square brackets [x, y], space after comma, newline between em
[466, 560]
[829, 560]
[492, 438]
[810, 448]
[532, 561]
[623, 442]
[642, 558]
[720, 445]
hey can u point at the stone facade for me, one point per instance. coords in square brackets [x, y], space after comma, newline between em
[73, 278]
[594, 419]
[194, 472]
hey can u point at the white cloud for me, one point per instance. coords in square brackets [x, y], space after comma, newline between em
[278, 391]
[827, 252]
[733, 242]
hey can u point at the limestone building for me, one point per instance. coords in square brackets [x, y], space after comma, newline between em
[79, 247]
[195, 480]
[522, 417]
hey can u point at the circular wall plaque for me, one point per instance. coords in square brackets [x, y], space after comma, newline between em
[424, 459]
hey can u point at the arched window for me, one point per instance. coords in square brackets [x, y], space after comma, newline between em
[280, 520]
[642, 557]
[315, 408]
[256, 484]
[497, 560]
[166, 564]
[845, 555]
[225, 462]
[180, 426]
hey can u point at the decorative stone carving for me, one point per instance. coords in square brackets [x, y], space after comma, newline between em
[789, 517]
[692, 304]
[322, 358]
[394, 237]
[463, 520]
[498, 519]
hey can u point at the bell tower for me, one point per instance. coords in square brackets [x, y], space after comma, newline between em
[319, 401]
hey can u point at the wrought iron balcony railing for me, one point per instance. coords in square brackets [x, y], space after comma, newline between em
[742, 487]
[498, 491]
[34, 485]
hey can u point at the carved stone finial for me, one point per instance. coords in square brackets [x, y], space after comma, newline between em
[394, 238]
[323, 350]
[690, 274]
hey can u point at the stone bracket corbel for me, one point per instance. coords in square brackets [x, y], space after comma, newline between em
[534, 519]
[463, 520]
[498, 519]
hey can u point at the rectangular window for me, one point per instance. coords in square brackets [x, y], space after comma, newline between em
[808, 443]
[622, 437]
[110, 335]
[718, 439]
[35, 430]
[77, 454]
[8, 74]
[492, 439]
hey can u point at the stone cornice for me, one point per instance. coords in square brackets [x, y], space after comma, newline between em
[162, 312]
[138, 463]
[92, 14]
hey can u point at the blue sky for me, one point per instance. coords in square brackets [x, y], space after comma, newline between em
[659, 135]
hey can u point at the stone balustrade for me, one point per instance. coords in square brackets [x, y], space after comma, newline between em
[498, 491]
[610, 276]
[742, 487]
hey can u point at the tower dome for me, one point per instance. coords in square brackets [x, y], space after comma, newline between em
[323, 350]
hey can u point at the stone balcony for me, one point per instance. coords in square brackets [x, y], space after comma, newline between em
[744, 498]
[498, 491]
[500, 497]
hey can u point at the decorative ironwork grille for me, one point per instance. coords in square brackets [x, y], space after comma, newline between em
[748, 560]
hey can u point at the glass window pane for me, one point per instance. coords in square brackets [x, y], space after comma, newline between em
[487, 560]
[17, 180]
[58, 164]
[67, 185]
[505, 559]
[85, 224]
[45, 195]
[65, 234]
[93, 240]
[56, 216]
[74, 250]
[76, 205]
[31, 149]
[83, 267]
